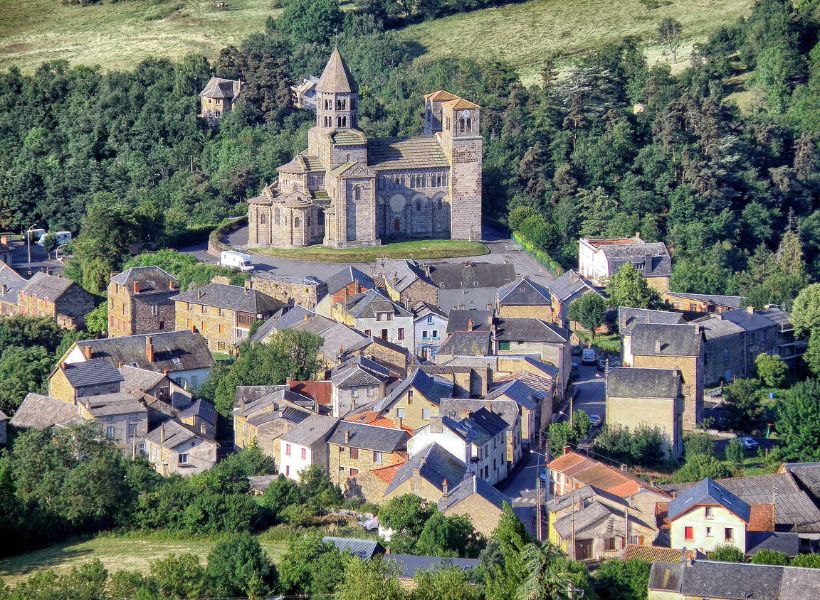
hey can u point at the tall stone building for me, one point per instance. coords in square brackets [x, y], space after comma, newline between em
[345, 190]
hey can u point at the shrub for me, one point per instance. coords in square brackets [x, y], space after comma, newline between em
[771, 369]
[726, 553]
[770, 557]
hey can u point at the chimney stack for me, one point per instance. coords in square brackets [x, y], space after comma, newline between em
[193, 328]
[149, 349]
[750, 310]
[435, 425]
[199, 293]
[658, 345]
[162, 434]
[470, 325]
[306, 317]
[400, 421]
[136, 287]
[567, 449]
[87, 352]
[347, 436]
[445, 489]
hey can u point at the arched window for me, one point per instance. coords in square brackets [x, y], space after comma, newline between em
[461, 125]
[418, 204]
[307, 221]
[321, 217]
[276, 216]
[344, 121]
[440, 204]
[296, 221]
[357, 193]
[263, 219]
[469, 125]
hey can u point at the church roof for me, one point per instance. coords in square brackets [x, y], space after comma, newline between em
[348, 137]
[461, 104]
[441, 96]
[412, 153]
[336, 77]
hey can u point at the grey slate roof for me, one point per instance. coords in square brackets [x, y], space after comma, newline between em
[735, 581]
[458, 319]
[106, 405]
[151, 280]
[220, 88]
[458, 408]
[401, 273]
[369, 437]
[11, 282]
[409, 565]
[519, 392]
[569, 285]
[651, 258]
[471, 275]
[642, 383]
[586, 517]
[336, 77]
[347, 276]
[477, 297]
[707, 492]
[467, 343]
[666, 340]
[173, 350]
[530, 330]
[364, 549]
[135, 379]
[722, 300]
[97, 371]
[434, 464]
[628, 318]
[200, 408]
[787, 543]
[313, 429]
[750, 321]
[807, 476]
[466, 488]
[428, 386]
[175, 434]
[714, 327]
[47, 287]
[524, 292]
[231, 297]
[247, 394]
[359, 371]
[776, 315]
[586, 492]
[41, 412]
[372, 302]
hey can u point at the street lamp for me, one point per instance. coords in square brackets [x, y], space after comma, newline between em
[28, 243]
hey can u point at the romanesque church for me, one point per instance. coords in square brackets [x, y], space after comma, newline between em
[346, 191]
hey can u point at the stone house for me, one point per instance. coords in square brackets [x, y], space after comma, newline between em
[534, 337]
[406, 281]
[528, 400]
[467, 381]
[355, 449]
[223, 314]
[415, 400]
[357, 382]
[465, 344]
[70, 381]
[628, 318]
[303, 291]
[305, 445]
[479, 440]
[173, 448]
[56, 298]
[150, 384]
[565, 290]
[677, 347]
[475, 498]
[122, 418]
[470, 319]
[11, 282]
[469, 284]
[459, 409]
[139, 301]
[343, 285]
[218, 98]
[375, 314]
[397, 359]
[787, 346]
[426, 474]
[346, 190]
[181, 355]
[200, 415]
[697, 305]
[524, 298]
[41, 412]
[590, 524]
[600, 258]
[652, 397]
[263, 413]
[304, 93]
[429, 326]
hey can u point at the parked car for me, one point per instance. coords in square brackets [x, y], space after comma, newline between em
[748, 443]
[574, 371]
[576, 350]
[595, 420]
[588, 356]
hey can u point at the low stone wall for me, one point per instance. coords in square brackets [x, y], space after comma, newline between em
[304, 293]
[216, 243]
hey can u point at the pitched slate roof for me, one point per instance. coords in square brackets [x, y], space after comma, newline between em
[432, 388]
[524, 292]
[220, 88]
[569, 284]
[412, 153]
[135, 379]
[517, 391]
[47, 287]
[460, 298]
[458, 319]
[467, 343]
[347, 276]
[173, 351]
[402, 273]
[467, 488]
[106, 405]
[172, 434]
[434, 464]
[714, 327]
[372, 302]
[582, 519]
[408, 565]
[642, 383]
[231, 297]
[97, 371]
[651, 258]
[364, 549]
[150, 280]
[749, 321]
[336, 77]
[359, 371]
[459, 408]
[11, 282]
[199, 408]
[380, 439]
[40, 412]
[721, 300]
[666, 340]
[735, 581]
[530, 330]
[313, 429]
[471, 274]
[628, 318]
[578, 496]
[708, 493]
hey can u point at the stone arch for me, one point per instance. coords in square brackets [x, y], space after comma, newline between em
[277, 216]
[440, 225]
[263, 219]
[297, 222]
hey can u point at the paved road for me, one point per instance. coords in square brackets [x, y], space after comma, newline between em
[502, 249]
[591, 388]
[521, 490]
[40, 261]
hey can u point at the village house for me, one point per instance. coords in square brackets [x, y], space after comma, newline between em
[70, 381]
[787, 346]
[414, 401]
[11, 282]
[638, 397]
[479, 440]
[304, 93]
[397, 359]
[139, 301]
[173, 448]
[564, 290]
[406, 281]
[375, 314]
[305, 445]
[696, 579]
[320, 391]
[427, 474]
[469, 284]
[41, 412]
[355, 449]
[343, 285]
[628, 318]
[528, 401]
[357, 382]
[152, 385]
[459, 409]
[181, 355]
[200, 415]
[122, 418]
[56, 298]
[302, 291]
[524, 298]
[218, 98]
[677, 347]
[222, 314]
[467, 381]
[600, 258]
[475, 498]
[429, 326]
[545, 341]
[465, 344]
[263, 413]
[698, 305]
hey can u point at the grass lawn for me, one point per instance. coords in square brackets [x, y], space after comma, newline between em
[132, 551]
[610, 342]
[420, 249]
[522, 34]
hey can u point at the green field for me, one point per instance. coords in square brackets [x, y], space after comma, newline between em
[421, 249]
[133, 551]
[522, 34]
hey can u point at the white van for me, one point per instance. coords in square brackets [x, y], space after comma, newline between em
[588, 356]
[61, 237]
[236, 260]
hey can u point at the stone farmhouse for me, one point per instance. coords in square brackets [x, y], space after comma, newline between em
[218, 98]
[345, 190]
[600, 258]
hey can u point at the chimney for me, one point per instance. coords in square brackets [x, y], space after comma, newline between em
[750, 310]
[165, 372]
[347, 436]
[162, 434]
[199, 293]
[658, 345]
[149, 349]
[4, 239]
[136, 287]
[87, 352]
[445, 489]
[62, 365]
[435, 425]
[193, 328]
[119, 365]
[470, 325]
[172, 285]
[623, 468]
[400, 421]
[567, 449]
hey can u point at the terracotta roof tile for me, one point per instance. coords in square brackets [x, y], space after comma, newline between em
[320, 391]
[587, 471]
[761, 517]
[387, 474]
[652, 554]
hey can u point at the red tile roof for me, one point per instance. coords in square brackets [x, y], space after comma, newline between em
[387, 474]
[372, 417]
[587, 471]
[761, 517]
[319, 391]
[652, 554]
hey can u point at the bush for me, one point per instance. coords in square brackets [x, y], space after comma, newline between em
[771, 369]
[699, 466]
[810, 561]
[735, 452]
[698, 443]
[726, 553]
[239, 566]
[643, 446]
[770, 557]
